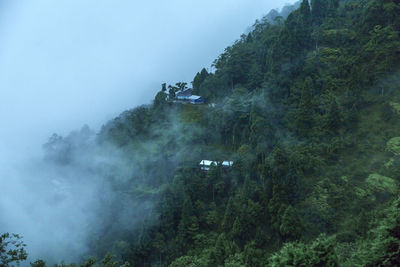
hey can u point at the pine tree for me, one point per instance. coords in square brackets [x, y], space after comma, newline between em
[290, 227]
[220, 247]
[334, 4]
[305, 13]
[199, 79]
[334, 117]
[319, 9]
[304, 116]
[188, 225]
[305, 21]
[229, 214]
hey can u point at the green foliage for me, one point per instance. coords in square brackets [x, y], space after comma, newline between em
[188, 225]
[198, 80]
[320, 252]
[38, 263]
[393, 145]
[383, 48]
[290, 226]
[190, 261]
[379, 183]
[305, 114]
[12, 250]
[381, 247]
[396, 107]
[319, 10]
[160, 100]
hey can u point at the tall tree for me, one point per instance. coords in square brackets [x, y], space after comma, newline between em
[319, 9]
[188, 225]
[305, 12]
[199, 79]
[304, 116]
[290, 227]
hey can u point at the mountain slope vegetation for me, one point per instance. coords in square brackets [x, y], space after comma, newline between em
[308, 109]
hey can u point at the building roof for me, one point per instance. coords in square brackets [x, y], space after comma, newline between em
[207, 162]
[187, 93]
[194, 97]
[211, 162]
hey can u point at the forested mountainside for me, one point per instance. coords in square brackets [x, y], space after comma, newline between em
[308, 110]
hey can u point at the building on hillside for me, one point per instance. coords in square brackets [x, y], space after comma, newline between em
[196, 99]
[227, 163]
[184, 95]
[187, 96]
[205, 165]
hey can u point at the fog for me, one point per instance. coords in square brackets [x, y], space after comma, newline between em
[64, 64]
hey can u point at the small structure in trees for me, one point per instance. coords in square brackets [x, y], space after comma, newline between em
[184, 95]
[205, 165]
[196, 99]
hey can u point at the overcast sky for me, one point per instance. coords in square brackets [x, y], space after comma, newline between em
[65, 63]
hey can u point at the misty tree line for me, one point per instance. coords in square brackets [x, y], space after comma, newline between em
[308, 108]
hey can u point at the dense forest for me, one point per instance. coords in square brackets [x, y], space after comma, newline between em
[306, 105]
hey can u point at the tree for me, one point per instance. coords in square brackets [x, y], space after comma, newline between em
[199, 79]
[237, 230]
[160, 100]
[319, 10]
[253, 255]
[108, 261]
[229, 214]
[38, 263]
[334, 117]
[171, 92]
[381, 246]
[304, 115]
[188, 225]
[220, 249]
[305, 19]
[382, 50]
[321, 252]
[57, 149]
[334, 4]
[261, 136]
[12, 249]
[181, 86]
[290, 227]
[295, 35]
[255, 76]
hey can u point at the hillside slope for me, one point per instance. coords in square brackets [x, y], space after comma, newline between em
[308, 110]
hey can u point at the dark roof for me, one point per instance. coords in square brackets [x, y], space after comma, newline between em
[187, 92]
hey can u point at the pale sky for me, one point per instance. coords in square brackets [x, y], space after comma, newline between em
[66, 63]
